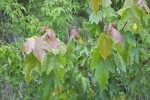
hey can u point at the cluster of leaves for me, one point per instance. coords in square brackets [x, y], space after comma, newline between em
[119, 59]
[113, 64]
[27, 17]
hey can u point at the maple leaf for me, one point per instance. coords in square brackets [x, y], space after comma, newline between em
[109, 28]
[30, 63]
[106, 3]
[95, 18]
[74, 32]
[140, 2]
[116, 36]
[44, 28]
[38, 46]
[49, 33]
[53, 43]
[95, 5]
[104, 43]
[129, 3]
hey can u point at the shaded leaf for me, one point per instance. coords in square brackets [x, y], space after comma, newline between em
[30, 63]
[48, 63]
[102, 70]
[59, 69]
[74, 32]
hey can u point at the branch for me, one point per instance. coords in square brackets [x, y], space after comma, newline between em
[124, 25]
[146, 62]
[102, 20]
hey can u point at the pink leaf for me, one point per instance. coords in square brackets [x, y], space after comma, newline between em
[44, 28]
[44, 36]
[53, 43]
[139, 2]
[109, 28]
[74, 32]
[116, 36]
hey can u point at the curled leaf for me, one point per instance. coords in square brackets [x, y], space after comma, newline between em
[49, 33]
[116, 36]
[139, 2]
[44, 28]
[109, 28]
[74, 32]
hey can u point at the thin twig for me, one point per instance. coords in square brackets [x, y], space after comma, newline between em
[136, 40]
[124, 25]
[146, 62]
[2, 27]
[102, 21]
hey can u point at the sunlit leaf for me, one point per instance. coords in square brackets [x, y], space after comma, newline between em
[104, 43]
[96, 18]
[95, 5]
[53, 43]
[38, 46]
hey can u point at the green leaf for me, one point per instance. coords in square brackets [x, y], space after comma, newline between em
[106, 3]
[96, 17]
[84, 83]
[132, 16]
[95, 5]
[95, 56]
[48, 85]
[148, 38]
[104, 43]
[48, 63]
[129, 3]
[102, 70]
[120, 62]
[59, 69]
[30, 63]
[109, 13]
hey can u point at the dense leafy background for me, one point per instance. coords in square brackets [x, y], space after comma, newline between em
[103, 62]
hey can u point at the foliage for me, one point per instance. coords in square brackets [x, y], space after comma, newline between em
[111, 62]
